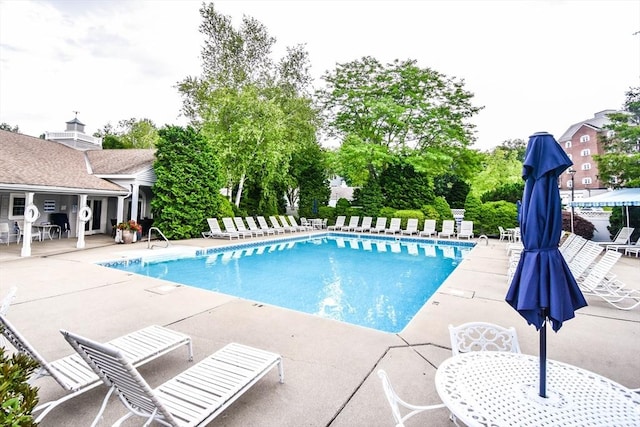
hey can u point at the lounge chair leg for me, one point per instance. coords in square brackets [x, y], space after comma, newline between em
[104, 405]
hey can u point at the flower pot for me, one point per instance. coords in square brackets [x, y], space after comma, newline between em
[127, 236]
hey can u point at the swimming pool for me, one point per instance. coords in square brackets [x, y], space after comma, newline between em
[378, 283]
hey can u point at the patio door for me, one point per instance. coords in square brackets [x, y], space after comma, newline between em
[96, 224]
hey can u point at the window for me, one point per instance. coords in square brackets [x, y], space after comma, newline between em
[586, 166]
[584, 138]
[585, 152]
[570, 156]
[610, 133]
[569, 183]
[567, 144]
[17, 203]
[586, 180]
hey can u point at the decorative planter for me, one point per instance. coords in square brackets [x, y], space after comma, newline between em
[127, 236]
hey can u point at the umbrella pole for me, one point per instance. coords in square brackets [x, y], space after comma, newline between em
[543, 357]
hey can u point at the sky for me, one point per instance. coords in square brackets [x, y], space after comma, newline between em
[532, 65]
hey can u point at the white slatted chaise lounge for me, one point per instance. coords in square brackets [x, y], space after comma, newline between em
[73, 374]
[192, 398]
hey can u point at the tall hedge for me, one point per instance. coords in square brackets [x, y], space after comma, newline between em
[187, 190]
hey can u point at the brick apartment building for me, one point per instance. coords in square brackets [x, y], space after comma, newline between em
[581, 142]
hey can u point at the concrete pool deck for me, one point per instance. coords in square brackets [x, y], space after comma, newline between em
[330, 367]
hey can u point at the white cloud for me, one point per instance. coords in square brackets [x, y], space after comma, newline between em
[533, 65]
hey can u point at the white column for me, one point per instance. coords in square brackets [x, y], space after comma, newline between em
[82, 202]
[134, 201]
[26, 238]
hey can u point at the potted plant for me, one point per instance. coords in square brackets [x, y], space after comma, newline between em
[128, 229]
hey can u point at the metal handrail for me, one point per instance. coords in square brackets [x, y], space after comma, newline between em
[149, 246]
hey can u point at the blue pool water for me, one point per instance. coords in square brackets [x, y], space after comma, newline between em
[376, 283]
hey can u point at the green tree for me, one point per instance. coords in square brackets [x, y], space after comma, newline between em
[130, 133]
[8, 127]
[187, 189]
[619, 166]
[500, 166]
[379, 111]
[251, 108]
[370, 198]
[452, 188]
[405, 188]
[511, 192]
[309, 180]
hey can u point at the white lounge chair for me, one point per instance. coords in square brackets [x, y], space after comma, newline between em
[239, 223]
[622, 238]
[365, 226]
[429, 228]
[289, 227]
[623, 248]
[353, 224]
[73, 374]
[230, 227]
[448, 226]
[381, 225]
[194, 397]
[466, 230]
[394, 226]
[571, 250]
[397, 403]
[294, 223]
[412, 227]
[598, 283]
[276, 224]
[216, 231]
[257, 230]
[264, 226]
[339, 223]
[584, 259]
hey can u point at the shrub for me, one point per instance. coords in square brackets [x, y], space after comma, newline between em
[341, 207]
[495, 214]
[327, 212]
[442, 207]
[581, 226]
[430, 212]
[409, 213]
[17, 396]
[387, 212]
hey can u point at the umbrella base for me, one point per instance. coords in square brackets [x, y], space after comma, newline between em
[553, 399]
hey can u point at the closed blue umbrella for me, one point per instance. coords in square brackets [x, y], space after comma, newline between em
[543, 286]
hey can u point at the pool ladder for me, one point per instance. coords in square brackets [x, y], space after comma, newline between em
[149, 245]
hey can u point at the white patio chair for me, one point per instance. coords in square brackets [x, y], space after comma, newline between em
[76, 377]
[466, 230]
[301, 226]
[194, 397]
[381, 225]
[289, 226]
[412, 227]
[365, 226]
[394, 226]
[6, 232]
[239, 223]
[339, 223]
[354, 220]
[482, 336]
[447, 228]
[35, 233]
[429, 228]
[504, 234]
[397, 403]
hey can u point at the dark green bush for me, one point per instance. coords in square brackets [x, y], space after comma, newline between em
[511, 192]
[430, 212]
[444, 211]
[581, 226]
[17, 396]
[341, 206]
[495, 214]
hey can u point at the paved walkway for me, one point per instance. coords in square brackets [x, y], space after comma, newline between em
[330, 367]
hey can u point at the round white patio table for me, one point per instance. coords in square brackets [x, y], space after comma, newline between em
[490, 388]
